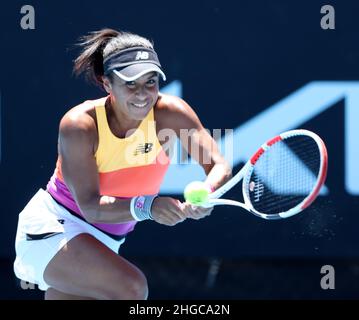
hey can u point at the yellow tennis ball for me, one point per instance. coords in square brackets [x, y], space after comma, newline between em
[196, 193]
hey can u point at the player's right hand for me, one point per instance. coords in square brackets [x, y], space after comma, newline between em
[167, 211]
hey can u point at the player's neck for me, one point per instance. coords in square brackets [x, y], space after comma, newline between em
[120, 123]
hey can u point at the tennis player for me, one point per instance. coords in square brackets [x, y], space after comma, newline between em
[111, 162]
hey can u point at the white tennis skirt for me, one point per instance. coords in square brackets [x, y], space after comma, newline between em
[44, 227]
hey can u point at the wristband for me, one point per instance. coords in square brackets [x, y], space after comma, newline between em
[141, 206]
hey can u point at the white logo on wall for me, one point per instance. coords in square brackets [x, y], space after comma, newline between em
[299, 107]
[302, 105]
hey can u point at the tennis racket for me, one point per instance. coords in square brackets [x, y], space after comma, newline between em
[282, 178]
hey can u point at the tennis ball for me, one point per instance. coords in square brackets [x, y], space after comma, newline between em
[196, 193]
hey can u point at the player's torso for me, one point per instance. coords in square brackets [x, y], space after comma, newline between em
[163, 120]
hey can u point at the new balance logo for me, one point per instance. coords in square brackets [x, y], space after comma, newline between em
[142, 55]
[143, 148]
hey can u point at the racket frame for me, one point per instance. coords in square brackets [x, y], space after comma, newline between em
[246, 171]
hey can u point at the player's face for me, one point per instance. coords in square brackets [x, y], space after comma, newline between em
[135, 98]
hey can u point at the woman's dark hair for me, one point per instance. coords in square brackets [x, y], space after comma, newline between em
[97, 45]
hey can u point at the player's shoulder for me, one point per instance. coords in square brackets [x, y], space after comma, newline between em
[173, 112]
[170, 104]
[80, 118]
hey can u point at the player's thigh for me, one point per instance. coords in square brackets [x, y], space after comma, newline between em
[86, 267]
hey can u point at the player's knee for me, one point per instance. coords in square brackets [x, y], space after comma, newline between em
[138, 288]
[134, 287]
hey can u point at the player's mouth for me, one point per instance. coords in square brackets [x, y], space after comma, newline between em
[140, 105]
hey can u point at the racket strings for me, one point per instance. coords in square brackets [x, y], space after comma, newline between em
[284, 175]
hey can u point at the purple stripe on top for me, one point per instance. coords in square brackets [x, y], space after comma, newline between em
[62, 194]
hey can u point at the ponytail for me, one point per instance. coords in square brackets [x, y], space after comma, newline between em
[90, 61]
[98, 45]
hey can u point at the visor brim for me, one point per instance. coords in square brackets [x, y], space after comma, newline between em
[135, 71]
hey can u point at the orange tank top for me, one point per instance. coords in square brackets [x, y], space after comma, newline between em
[127, 167]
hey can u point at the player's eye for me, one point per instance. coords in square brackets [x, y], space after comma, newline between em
[151, 82]
[130, 84]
